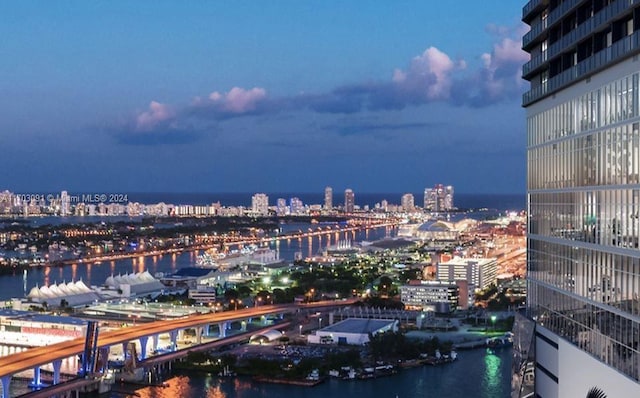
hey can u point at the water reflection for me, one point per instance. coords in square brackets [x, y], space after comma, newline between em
[492, 370]
[89, 266]
[95, 274]
[141, 264]
[476, 374]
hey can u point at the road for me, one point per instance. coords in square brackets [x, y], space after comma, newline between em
[39, 356]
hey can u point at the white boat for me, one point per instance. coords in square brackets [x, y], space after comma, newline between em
[206, 260]
[314, 375]
[226, 372]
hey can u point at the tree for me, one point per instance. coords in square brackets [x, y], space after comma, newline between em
[280, 296]
[231, 294]
[244, 291]
[385, 285]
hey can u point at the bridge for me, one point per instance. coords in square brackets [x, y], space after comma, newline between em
[36, 357]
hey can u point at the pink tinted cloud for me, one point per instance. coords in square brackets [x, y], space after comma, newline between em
[502, 67]
[239, 100]
[430, 71]
[156, 114]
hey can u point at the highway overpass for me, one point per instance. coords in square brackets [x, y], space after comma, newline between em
[36, 357]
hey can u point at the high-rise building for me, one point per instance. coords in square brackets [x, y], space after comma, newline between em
[407, 202]
[447, 199]
[296, 206]
[65, 204]
[430, 199]
[328, 198]
[583, 150]
[260, 204]
[438, 198]
[349, 201]
[479, 272]
[281, 207]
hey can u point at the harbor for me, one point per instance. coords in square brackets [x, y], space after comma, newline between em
[486, 375]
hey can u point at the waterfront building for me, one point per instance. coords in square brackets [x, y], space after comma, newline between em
[384, 205]
[429, 199]
[479, 272]
[328, 198]
[437, 296]
[407, 203]
[191, 277]
[133, 284]
[354, 331]
[439, 198]
[260, 204]
[65, 204]
[296, 206]
[447, 198]
[583, 150]
[281, 207]
[33, 329]
[6, 202]
[439, 231]
[349, 201]
[73, 294]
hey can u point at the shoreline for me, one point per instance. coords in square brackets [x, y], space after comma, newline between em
[292, 382]
[179, 250]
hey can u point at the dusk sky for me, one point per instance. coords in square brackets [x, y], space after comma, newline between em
[253, 96]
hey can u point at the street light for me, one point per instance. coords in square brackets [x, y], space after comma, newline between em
[320, 323]
[300, 330]
[493, 321]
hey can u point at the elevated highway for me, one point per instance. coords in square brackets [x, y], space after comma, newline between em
[36, 357]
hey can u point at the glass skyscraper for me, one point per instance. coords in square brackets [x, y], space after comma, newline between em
[583, 154]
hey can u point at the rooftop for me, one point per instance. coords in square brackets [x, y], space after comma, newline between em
[358, 325]
[468, 261]
[67, 320]
[192, 272]
[8, 313]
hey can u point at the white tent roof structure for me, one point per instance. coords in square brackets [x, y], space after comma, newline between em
[140, 283]
[74, 293]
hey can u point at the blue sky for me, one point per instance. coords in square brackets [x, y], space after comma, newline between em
[287, 96]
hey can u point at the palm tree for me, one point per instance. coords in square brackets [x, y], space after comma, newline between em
[596, 392]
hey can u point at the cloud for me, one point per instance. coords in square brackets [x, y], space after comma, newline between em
[159, 124]
[157, 115]
[500, 77]
[431, 72]
[238, 100]
[432, 76]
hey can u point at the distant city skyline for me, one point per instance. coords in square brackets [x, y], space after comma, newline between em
[218, 97]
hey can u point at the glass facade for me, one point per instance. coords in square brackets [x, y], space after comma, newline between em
[584, 222]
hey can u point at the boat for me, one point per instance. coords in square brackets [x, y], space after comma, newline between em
[226, 372]
[505, 340]
[314, 375]
[206, 260]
